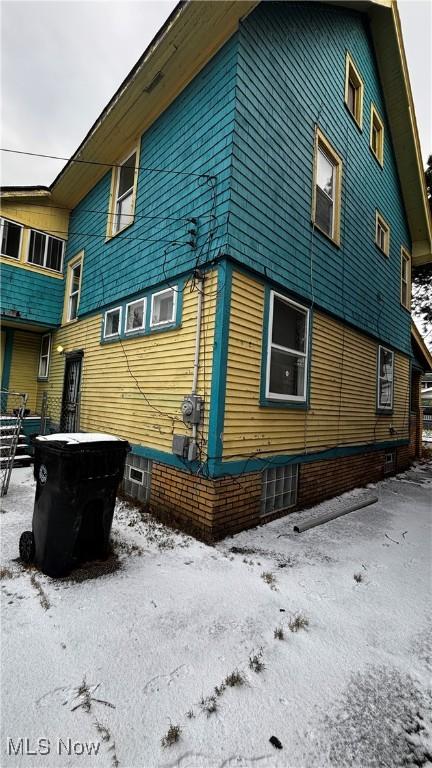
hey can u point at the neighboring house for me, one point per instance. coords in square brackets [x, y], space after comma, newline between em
[267, 191]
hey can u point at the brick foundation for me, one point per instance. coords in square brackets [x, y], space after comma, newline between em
[213, 508]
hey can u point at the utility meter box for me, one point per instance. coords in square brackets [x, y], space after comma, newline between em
[192, 409]
[180, 445]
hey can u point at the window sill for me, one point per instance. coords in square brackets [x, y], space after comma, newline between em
[384, 411]
[353, 118]
[334, 240]
[383, 253]
[112, 235]
[139, 334]
[407, 309]
[378, 160]
[6, 256]
[70, 322]
[42, 378]
[266, 402]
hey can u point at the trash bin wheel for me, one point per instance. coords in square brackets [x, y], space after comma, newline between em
[27, 547]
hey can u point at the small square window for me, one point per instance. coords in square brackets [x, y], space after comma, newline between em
[10, 237]
[135, 315]
[279, 489]
[112, 322]
[163, 307]
[385, 379]
[353, 91]
[382, 234]
[377, 135]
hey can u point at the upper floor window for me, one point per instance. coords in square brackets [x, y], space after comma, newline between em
[44, 357]
[45, 251]
[382, 234]
[385, 379]
[74, 287]
[353, 91]
[405, 279]
[327, 188]
[10, 236]
[287, 354]
[377, 135]
[123, 193]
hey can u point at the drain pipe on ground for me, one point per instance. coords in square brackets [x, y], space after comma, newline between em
[313, 521]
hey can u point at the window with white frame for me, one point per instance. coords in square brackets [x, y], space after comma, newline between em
[74, 289]
[405, 279]
[287, 354]
[279, 489]
[124, 197]
[10, 238]
[385, 378]
[327, 188]
[135, 315]
[44, 356]
[382, 234]
[163, 307]
[112, 322]
[389, 462]
[45, 251]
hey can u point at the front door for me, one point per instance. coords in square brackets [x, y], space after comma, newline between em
[71, 389]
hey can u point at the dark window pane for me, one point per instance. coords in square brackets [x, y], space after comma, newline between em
[351, 100]
[289, 326]
[54, 254]
[287, 373]
[112, 323]
[11, 239]
[126, 178]
[37, 248]
[73, 306]
[324, 212]
[45, 345]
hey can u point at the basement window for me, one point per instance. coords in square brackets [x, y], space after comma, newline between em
[389, 462]
[10, 237]
[287, 354]
[377, 135]
[112, 322]
[45, 251]
[382, 234]
[279, 489]
[163, 307]
[44, 357]
[385, 379]
[327, 189]
[353, 91]
[137, 477]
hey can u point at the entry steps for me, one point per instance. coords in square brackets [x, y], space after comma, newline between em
[22, 457]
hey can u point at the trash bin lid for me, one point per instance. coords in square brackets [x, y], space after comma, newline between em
[75, 438]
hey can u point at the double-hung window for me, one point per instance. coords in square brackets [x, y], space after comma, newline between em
[405, 279]
[45, 251]
[125, 178]
[74, 283]
[287, 353]
[385, 379]
[327, 188]
[377, 135]
[44, 357]
[163, 307]
[10, 238]
[382, 234]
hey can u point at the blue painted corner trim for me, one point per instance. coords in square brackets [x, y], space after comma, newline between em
[7, 361]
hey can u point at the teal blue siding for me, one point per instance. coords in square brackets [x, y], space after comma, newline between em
[7, 360]
[192, 136]
[290, 77]
[38, 297]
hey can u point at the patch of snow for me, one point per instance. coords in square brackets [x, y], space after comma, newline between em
[78, 437]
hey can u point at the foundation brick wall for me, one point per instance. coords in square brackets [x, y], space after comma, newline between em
[213, 508]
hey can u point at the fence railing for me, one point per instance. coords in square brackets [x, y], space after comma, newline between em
[13, 411]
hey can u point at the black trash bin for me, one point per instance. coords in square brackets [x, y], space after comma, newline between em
[77, 477]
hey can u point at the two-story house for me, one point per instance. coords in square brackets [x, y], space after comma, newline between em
[233, 292]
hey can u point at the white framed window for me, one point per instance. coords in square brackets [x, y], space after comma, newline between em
[74, 289]
[279, 489]
[44, 357]
[353, 90]
[382, 234]
[10, 238]
[287, 352]
[377, 135]
[327, 188]
[45, 251]
[112, 322]
[389, 462]
[125, 179]
[385, 375]
[136, 475]
[135, 315]
[405, 279]
[163, 307]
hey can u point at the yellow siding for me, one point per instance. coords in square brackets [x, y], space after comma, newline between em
[24, 365]
[343, 387]
[147, 411]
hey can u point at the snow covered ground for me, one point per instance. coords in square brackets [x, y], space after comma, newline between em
[114, 661]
